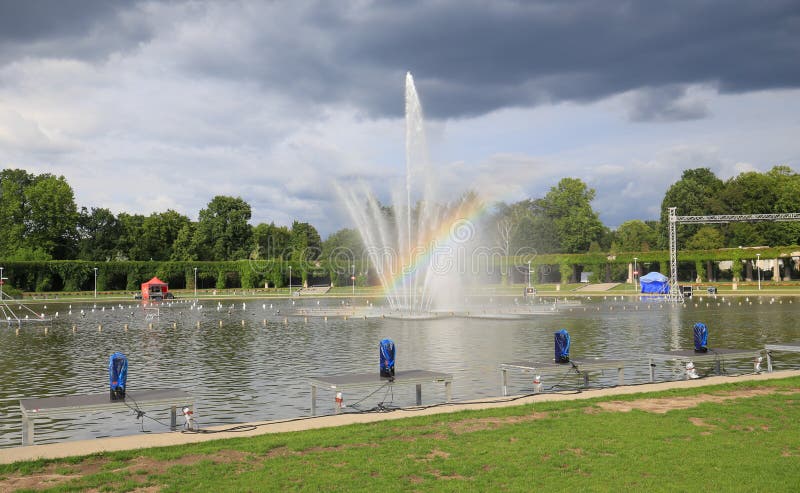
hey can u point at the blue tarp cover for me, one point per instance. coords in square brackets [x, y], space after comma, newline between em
[655, 282]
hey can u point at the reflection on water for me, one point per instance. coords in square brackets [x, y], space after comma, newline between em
[258, 371]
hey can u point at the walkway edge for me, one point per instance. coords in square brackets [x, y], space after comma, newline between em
[134, 442]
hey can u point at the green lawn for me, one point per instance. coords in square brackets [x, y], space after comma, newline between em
[741, 436]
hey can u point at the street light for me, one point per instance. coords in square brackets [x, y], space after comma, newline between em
[529, 273]
[758, 267]
[353, 277]
[195, 283]
[95, 282]
[2, 281]
[635, 275]
[290, 280]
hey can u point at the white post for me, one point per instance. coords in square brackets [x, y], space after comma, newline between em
[758, 266]
[353, 278]
[195, 283]
[529, 273]
[290, 280]
[95, 282]
[635, 275]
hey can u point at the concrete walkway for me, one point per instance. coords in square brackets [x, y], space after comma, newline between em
[604, 286]
[132, 442]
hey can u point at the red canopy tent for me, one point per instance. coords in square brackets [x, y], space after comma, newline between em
[155, 288]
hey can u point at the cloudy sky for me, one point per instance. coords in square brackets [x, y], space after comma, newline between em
[145, 106]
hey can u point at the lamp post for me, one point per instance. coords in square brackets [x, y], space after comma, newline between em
[529, 273]
[195, 283]
[95, 282]
[758, 267]
[635, 275]
[290, 280]
[353, 277]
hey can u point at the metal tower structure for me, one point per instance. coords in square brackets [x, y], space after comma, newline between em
[675, 219]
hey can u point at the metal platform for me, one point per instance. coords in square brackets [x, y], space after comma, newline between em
[790, 347]
[714, 354]
[86, 403]
[581, 366]
[373, 380]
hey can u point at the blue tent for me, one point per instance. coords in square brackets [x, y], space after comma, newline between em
[655, 282]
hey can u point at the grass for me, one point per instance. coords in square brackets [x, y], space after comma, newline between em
[734, 437]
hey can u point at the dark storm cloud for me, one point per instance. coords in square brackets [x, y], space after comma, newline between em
[473, 57]
[469, 57]
[82, 29]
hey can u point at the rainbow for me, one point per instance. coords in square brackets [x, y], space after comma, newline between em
[455, 228]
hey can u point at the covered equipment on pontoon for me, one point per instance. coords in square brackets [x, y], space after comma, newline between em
[700, 337]
[562, 346]
[387, 352]
[117, 375]
[655, 282]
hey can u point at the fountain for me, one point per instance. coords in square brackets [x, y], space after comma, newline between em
[419, 250]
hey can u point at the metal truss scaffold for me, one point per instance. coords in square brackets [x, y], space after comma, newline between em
[675, 219]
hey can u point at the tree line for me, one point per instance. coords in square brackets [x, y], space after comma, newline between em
[563, 221]
[40, 221]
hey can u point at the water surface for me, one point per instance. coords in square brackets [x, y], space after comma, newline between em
[258, 371]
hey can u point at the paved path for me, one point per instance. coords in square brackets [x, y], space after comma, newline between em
[132, 442]
[605, 286]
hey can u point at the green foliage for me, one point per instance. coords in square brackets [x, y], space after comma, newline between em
[222, 230]
[98, 234]
[696, 193]
[700, 267]
[569, 206]
[271, 242]
[566, 272]
[635, 236]
[706, 238]
[37, 213]
[305, 243]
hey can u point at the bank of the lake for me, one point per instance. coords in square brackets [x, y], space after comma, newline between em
[729, 434]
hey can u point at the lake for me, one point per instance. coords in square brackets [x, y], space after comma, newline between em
[258, 371]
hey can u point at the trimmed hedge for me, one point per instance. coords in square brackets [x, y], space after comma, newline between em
[78, 275]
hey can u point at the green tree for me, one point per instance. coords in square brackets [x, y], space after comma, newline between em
[305, 242]
[696, 193]
[271, 242]
[223, 231]
[129, 245]
[98, 234]
[184, 246]
[787, 199]
[159, 233]
[14, 209]
[523, 228]
[52, 220]
[345, 242]
[568, 204]
[706, 238]
[635, 236]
